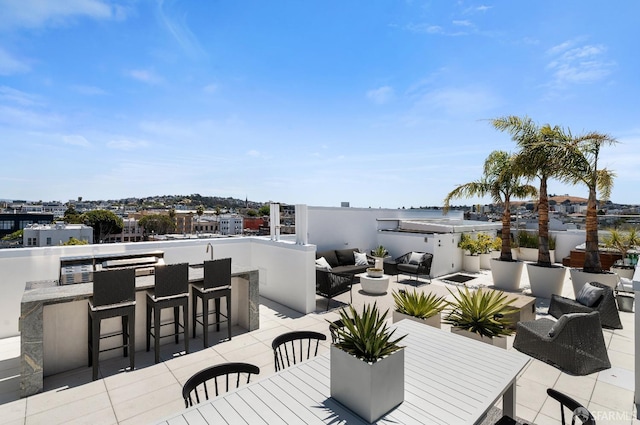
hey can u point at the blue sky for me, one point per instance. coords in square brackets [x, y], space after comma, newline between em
[379, 103]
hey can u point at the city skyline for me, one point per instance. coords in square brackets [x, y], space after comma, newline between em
[380, 105]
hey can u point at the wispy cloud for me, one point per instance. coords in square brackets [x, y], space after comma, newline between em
[38, 13]
[574, 63]
[9, 65]
[145, 75]
[88, 90]
[127, 144]
[210, 88]
[381, 95]
[8, 94]
[178, 28]
[425, 28]
[76, 140]
[482, 8]
[254, 153]
[462, 23]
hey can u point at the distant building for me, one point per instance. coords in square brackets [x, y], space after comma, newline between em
[131, 230]
[231, 224]
[10, 223]
[55, 234]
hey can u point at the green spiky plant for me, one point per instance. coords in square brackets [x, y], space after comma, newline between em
[380, 252]
[418, 304]
[483, 312]
[366, 335]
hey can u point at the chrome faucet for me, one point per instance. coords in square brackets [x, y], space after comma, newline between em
[210, 246]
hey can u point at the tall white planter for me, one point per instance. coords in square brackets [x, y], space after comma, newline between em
[506, 274]
[545, 281]
[485, 261]
[369, 389]
[579, 278]
[471, 263]
[433, 321]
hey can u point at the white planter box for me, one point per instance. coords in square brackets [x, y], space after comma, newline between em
[471, 263]
[531, 254]
[545, 281]
[579, 278]
[500, 342]
[506, 274]
[626, 272]
[433, 321]
[369, 389]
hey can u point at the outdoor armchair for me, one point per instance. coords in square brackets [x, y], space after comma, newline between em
[605, 305]
[414, 263]
[330, 284]
[573, 344]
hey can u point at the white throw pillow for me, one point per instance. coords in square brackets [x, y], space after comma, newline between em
[361, 258]
[322, 263]
[416, 257]
[589, 295]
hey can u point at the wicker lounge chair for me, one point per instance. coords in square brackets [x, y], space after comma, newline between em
[330, 284]
[408, 264]
[573, 344]
[606, 306]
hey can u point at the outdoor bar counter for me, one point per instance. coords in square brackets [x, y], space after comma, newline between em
[53, 322]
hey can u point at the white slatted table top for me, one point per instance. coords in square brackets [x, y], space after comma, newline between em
[449, 379]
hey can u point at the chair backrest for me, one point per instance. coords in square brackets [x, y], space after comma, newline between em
[333, 328]
[578, 411]
[293, 347]
[217, 273]
[171, 279]
[227, 372]
[114, 286]
[579, 324]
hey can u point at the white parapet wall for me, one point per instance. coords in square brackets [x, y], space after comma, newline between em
[287, 271]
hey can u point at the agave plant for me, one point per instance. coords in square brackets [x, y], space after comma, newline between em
[366, 335]
[418, 304]
[483, 312]
[380, 252]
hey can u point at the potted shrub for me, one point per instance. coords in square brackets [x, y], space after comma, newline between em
[482, 315]
[623, 242]
[418, 307]
[502, 182]
[581, 166]
[541, 156]
[485, 245]
[378, 253]
[470, 249]
[367, 364]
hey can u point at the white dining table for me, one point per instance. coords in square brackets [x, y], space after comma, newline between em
[449, 379]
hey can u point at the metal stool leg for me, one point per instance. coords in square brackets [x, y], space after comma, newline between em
[229, 315]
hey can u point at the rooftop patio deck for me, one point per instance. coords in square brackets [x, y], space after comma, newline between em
[152, 391]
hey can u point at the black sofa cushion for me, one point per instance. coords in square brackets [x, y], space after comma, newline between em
[346, 257]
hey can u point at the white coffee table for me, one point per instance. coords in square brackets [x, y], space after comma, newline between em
[374, 285]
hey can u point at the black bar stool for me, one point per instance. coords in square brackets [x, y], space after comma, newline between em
[171, 290]
[217, 284]
[114, 295]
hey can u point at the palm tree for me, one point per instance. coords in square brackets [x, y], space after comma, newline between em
[580, 165]
[501, 181]
[538, 158]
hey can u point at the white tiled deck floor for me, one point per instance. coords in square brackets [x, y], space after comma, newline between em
[152, 392]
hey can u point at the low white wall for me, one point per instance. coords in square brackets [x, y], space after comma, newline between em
[287, 273]
[283, 267]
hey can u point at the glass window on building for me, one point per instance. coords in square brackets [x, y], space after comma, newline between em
[48, 241]
[6, 224]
